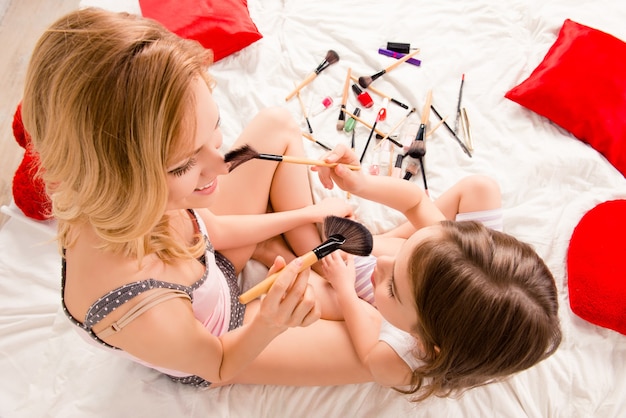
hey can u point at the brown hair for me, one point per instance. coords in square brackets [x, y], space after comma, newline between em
[106, 102]
[487, 308]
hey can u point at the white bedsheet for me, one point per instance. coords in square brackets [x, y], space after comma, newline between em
[548, 178]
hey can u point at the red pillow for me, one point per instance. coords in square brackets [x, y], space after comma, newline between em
[223, 26]
[581, 86]
[595, 267]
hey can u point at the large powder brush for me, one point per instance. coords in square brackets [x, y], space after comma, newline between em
[343, 234]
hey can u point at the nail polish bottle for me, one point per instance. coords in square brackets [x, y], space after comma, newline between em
[349, 126]
[362, 96]
[325, 104]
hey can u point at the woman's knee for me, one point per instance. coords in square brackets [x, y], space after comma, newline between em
[276, 126]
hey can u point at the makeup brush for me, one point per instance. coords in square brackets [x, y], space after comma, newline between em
[345, 234]
[331, 58]
[423, 170]
[458, 105]
[310, 138]
[467, 133]
[383, 95]
[357, 118]
[246, 153]
[449, 129]
[344, 100]
[366, 81]
[417, 149]
[410, 171]
[394, 128]
[380, 114]
[306, 117]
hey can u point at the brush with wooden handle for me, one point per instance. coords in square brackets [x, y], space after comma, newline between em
[345, 234]
[331, 58]
[365, 81]
[246, 153]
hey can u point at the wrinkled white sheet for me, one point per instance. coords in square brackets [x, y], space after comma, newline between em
[548, 178]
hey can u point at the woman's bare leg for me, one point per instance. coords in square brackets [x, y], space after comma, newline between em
[253, 185]
[320, 354]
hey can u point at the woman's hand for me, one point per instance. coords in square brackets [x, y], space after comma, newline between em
[291, 301]
[346, 179]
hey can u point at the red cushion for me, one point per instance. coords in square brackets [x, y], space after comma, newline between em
[223, 26]
[580, 85]
[595, 267]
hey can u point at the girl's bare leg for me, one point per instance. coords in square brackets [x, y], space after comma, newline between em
[471, 194]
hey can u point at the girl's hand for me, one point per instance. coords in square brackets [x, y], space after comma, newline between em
[338, 272]
[291, 301]
[345, 178]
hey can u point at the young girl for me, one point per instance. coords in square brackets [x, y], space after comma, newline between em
[463, 304]
[121, 113]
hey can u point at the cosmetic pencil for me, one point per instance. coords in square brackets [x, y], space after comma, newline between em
[449, 129]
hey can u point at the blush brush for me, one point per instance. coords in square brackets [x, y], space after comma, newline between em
[365, 81]
[417, 149]
[341, 122]
[331, 58]
[246, 153]
[343, 234]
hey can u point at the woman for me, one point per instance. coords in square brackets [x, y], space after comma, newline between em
[121, 113]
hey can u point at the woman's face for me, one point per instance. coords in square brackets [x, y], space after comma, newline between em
[393, 288]
[193, 180]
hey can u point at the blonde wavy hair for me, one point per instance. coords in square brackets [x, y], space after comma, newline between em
[106, 102]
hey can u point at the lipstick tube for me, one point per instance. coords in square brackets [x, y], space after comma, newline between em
[398, 55]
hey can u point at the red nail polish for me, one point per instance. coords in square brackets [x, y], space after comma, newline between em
[362, 96]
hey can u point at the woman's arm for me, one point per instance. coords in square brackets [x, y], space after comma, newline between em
[233, 231]
[363, 323]
[168, 335]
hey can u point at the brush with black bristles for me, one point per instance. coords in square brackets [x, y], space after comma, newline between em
[366, 81]
[343, 234]
[331, 58]
[246, 153]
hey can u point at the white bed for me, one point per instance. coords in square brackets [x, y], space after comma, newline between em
[548, 178]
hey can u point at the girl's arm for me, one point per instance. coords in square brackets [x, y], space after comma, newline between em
[233, 231]
[399, 194]
[363, 323]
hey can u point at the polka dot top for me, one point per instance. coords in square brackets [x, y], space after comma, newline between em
[214, 296]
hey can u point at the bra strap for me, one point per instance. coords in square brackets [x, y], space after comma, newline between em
[159, 295]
